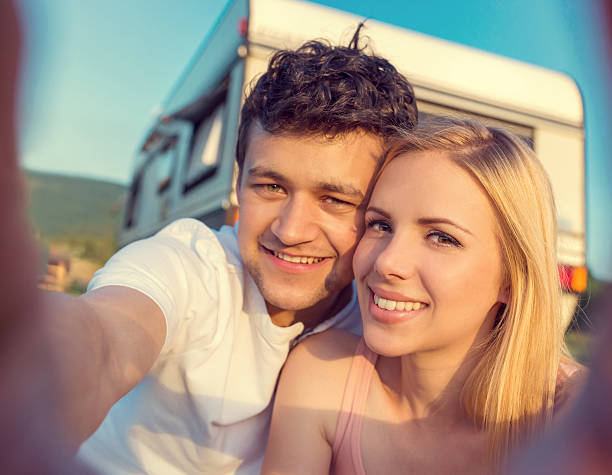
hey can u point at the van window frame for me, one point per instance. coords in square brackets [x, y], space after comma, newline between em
[197, 115]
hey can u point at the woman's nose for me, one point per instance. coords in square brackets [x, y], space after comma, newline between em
[396, 260]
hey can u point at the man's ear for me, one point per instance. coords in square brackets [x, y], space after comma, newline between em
[238, 185]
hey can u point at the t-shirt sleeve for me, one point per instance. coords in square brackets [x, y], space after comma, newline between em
[168, 270]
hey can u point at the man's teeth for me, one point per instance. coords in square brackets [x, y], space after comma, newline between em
[386, 304]
[297, 259]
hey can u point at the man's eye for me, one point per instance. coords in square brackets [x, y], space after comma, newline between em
[440, 238]
[267, 188]
[273, 187]
[378, 225]
[335, 201]
[270, 191]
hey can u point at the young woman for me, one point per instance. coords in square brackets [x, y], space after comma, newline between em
[461, 359]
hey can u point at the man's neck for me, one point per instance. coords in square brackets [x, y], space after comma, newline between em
[314, 315]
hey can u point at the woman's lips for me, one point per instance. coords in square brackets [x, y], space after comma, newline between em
[393, 311]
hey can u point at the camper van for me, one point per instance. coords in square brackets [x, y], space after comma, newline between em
[185, 164]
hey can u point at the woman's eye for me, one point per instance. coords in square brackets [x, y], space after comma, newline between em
[442, 239]
[379, 226]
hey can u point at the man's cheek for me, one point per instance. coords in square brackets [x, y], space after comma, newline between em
[345, 235]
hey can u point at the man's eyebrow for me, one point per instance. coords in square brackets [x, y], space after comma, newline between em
[262, 172]
[341, 188]
[433, 220]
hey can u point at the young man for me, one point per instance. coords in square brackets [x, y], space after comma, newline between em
[189, 329]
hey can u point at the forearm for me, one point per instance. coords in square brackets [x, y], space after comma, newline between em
[81, 357]
[103, 343]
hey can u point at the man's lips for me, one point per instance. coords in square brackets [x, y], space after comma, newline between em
[294, 262]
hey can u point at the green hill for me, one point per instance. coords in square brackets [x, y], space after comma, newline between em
[82, 213]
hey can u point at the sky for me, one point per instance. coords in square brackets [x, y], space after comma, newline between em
[95, 72]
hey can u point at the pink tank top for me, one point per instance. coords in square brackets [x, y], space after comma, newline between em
[346, 452]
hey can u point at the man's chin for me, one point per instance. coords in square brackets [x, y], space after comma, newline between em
[295, 294]
[284, 301]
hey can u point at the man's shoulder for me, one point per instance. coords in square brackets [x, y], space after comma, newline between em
[182, 265]
[181, 245]
[187, 231]
[206, 243]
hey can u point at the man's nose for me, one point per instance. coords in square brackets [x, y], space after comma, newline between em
[296, 222]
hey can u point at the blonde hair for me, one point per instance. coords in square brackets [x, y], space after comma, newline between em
[510, 393]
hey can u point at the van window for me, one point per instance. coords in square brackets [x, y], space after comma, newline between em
[205, 154]
[133, 201]
[165, 162]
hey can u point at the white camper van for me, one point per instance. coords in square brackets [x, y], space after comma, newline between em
[185, 166]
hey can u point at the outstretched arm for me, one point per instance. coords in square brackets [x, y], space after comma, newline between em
[307, 405]
[63, 360]
[104, 343]
[32, 436]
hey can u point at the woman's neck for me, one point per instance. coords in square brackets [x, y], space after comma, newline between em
[430, 382]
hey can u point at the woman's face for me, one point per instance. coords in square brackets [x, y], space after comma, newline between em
[428, 268]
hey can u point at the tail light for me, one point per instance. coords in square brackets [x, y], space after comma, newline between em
[243, 27]
[572, 278]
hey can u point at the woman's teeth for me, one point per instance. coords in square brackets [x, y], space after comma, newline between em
[387, 304]
[297, 259]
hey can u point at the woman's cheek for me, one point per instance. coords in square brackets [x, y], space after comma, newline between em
[363, 256]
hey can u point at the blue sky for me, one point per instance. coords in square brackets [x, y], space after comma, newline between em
[95, 71]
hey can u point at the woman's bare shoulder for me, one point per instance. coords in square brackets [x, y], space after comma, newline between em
[322, 360]
[329, 345]
[307, 403]
[316, 373]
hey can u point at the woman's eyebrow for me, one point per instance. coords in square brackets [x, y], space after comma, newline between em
[433, 220]
[379, 211]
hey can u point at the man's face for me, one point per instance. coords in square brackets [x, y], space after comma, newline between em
[301, 213]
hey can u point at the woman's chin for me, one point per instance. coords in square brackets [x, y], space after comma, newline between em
[390, 347]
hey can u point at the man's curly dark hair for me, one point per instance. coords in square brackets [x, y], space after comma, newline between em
[327, 90]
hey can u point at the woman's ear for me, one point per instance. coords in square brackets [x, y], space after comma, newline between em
[504, 294]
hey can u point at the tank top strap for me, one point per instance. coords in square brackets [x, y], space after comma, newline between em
[348, 428]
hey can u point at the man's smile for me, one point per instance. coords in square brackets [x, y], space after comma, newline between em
[298, 259]
[306, 260]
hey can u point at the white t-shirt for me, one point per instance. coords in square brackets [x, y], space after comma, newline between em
[205, 406]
